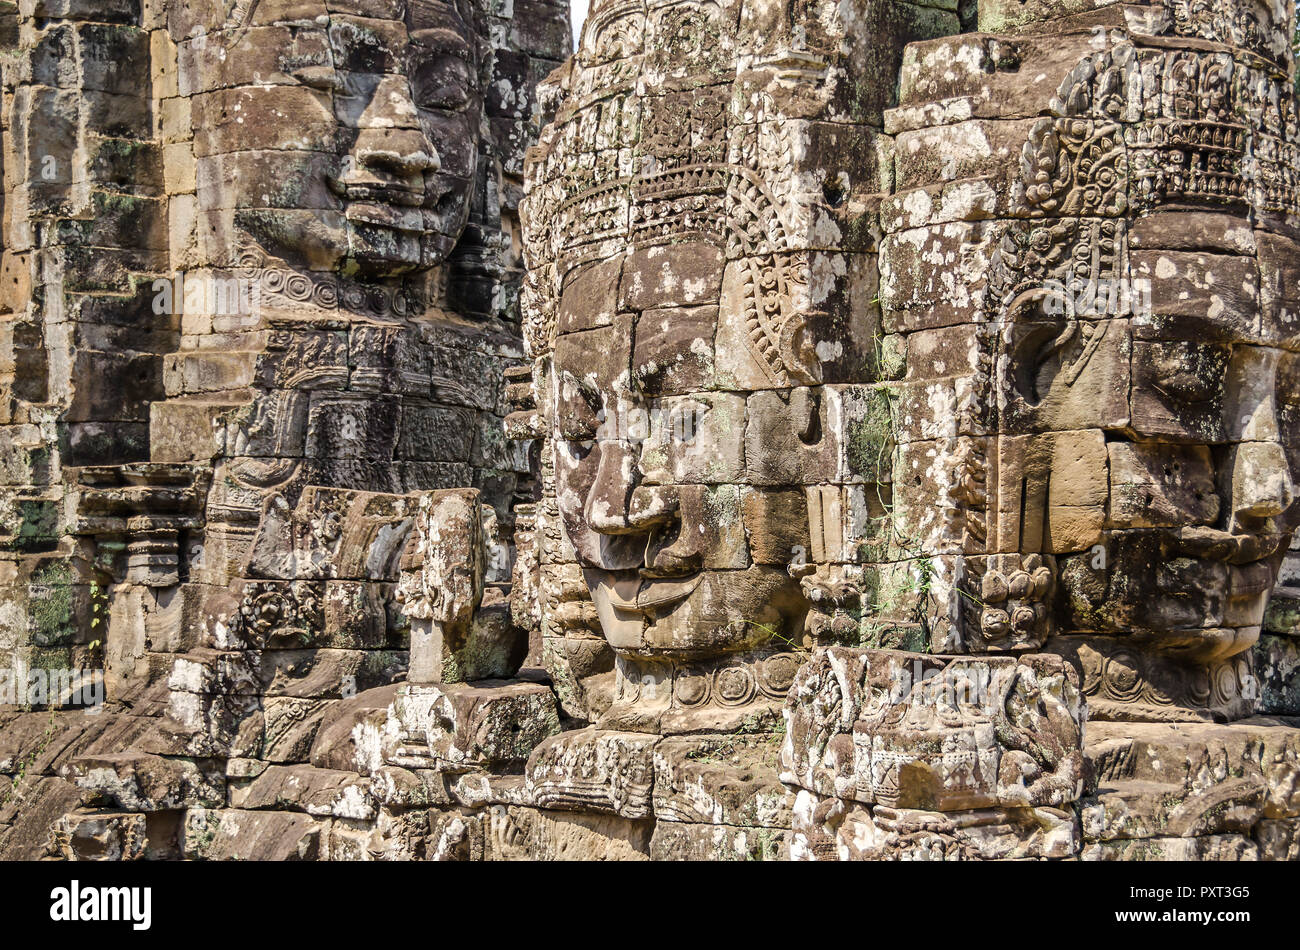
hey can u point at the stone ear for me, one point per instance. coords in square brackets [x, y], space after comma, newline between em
[1040, 325]
[798, 351]
[805, 414]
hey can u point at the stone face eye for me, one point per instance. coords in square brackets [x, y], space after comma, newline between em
[324, 78]
[1189, 371]
[1287, 396]
[1288, 381]
[442, 82]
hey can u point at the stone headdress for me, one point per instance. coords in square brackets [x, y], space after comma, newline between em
[1130, 130]
[610, 176]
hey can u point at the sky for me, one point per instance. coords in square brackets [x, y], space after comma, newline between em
[578, 13]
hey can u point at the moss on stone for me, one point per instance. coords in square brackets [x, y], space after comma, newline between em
[33, 524]
[1282, 616]
[50, 614]
[870, 437]
[51, 659]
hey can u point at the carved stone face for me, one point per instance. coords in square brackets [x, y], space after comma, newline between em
[650, 463]
[341, 140]
[1122, 462]
[1195, 486]
[701, 321]
[1184, 489]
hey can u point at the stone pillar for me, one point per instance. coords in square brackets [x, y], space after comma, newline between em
[442, 587]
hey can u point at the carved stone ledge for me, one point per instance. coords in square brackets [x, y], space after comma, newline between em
[938, 733]
[462, 727]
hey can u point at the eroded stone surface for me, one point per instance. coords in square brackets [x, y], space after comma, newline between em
[852, 430]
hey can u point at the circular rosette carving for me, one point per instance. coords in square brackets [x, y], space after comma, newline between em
[1075, 166]
[734, 685]
[1227, 682]
[1199, 686]
[1101, 167]
[776, 674]
[1121, 679]
[692, 690]
[325, 294]
[298, 287]
[354, 298]
[249, 261]
[274, 280]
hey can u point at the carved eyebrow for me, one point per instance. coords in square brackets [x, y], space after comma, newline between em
[442, 40]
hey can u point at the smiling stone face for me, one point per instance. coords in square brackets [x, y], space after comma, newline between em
[1166, 570]
[700, 305]
[336, 136]
[1067, 426]
[650, 481]
[1105, 358]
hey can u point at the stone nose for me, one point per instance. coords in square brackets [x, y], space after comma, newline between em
[390, 137]
[1262, 486]
[673, 517]
[402, 152]
[653, 505]
[607, 508]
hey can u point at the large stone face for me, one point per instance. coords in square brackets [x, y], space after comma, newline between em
[857, 430]
[1092, 305]
[700, 309]
[350, 132]
[262, 255]
[260, 296]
